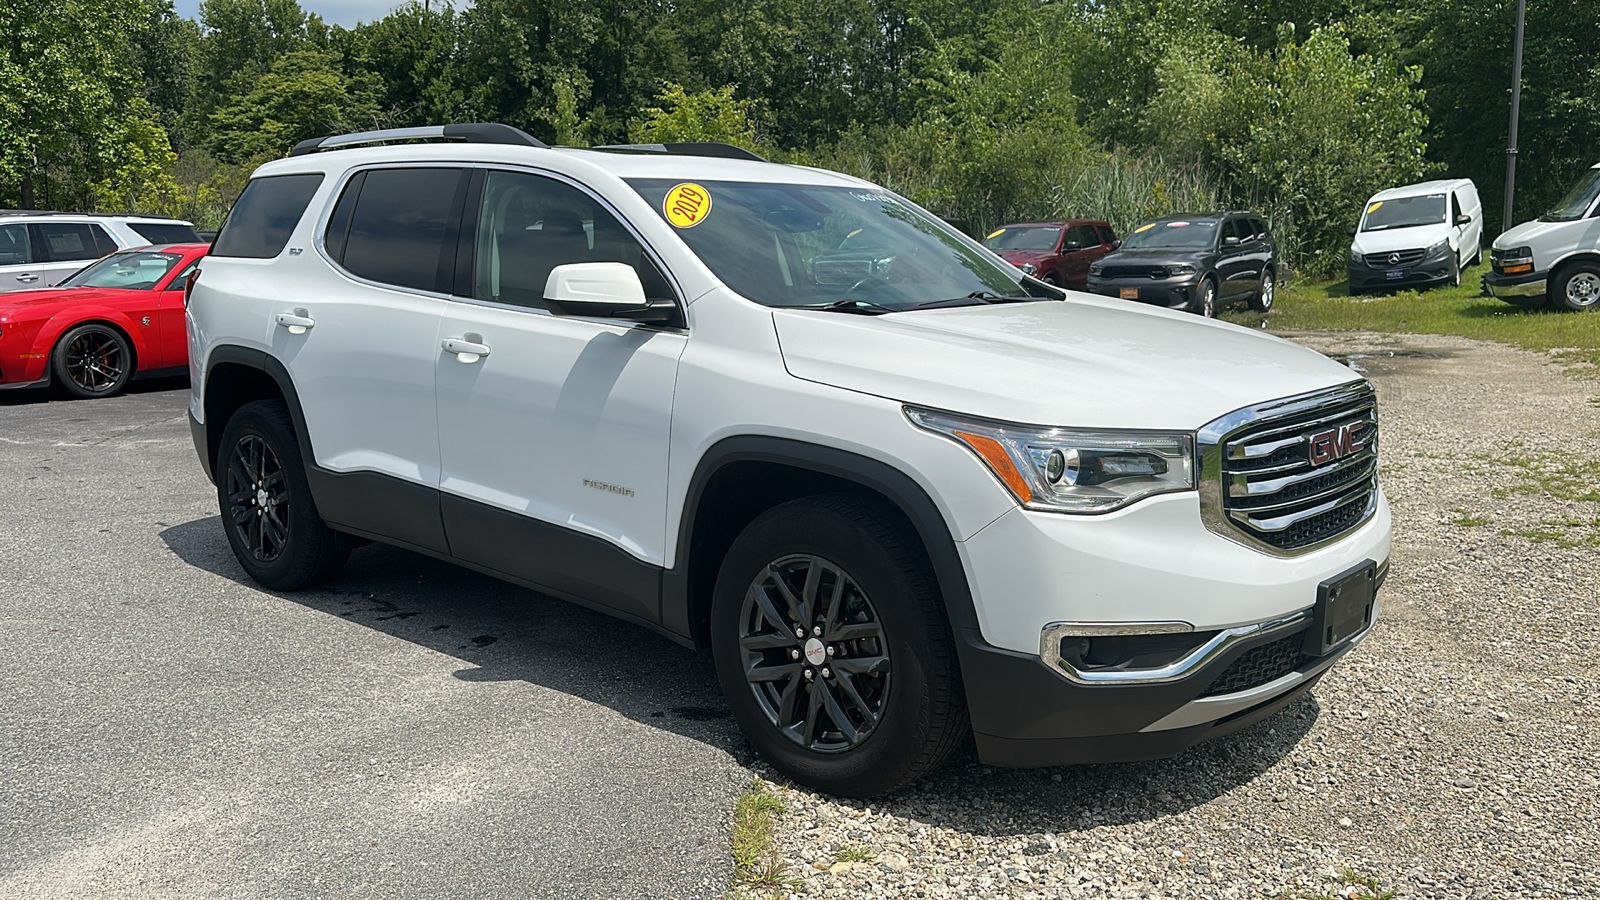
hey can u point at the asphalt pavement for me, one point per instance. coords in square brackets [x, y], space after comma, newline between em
[168, 729]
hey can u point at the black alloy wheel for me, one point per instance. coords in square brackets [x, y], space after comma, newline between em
[93, 360]
[814, 651]
[258, 499]
[830, 641]
[268, 513]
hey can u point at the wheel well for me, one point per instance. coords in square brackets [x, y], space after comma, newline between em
[228, 387]
[731, 500]
[1574, 260]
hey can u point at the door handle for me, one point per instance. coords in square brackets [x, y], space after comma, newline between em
[468, 348]
[298, 322]
[27, 277]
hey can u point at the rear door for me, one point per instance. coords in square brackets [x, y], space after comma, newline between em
[1078, 249]
[1234, 266]
[19, 268]
[67, 247]
[554, 441]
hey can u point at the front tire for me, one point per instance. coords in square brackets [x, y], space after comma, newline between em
[1206, 301]
[1265, 293]
[831, 645]
[92, 360]
[267, 510]
[1576, 287]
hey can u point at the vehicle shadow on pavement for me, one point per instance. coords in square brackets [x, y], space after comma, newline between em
[32, 396]
[507, 633]
[502, 632]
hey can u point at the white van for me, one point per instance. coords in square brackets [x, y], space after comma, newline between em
[1555, 259]
[1417, 235]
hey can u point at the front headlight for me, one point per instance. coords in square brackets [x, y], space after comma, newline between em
[1071, 470]
[1356, 257]
[1028, 268]
[1096, 268]
[1439, 249]
[1179, 269]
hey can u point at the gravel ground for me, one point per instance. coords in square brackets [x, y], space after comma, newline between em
[1451, 756]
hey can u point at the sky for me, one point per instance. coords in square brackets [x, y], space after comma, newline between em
[334, 12]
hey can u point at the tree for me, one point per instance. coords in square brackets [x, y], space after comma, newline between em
[714, 115]
[303, 95]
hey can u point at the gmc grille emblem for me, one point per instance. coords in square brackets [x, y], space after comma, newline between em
[1337, 442]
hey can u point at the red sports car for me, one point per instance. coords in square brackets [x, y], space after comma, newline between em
[119, 317]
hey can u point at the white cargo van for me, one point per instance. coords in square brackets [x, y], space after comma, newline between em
[1555, 259]
[1416, 236]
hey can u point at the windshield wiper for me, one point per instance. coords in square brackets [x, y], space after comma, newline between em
[974, 298]
[859, 307]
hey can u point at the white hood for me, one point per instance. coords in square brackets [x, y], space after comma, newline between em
[1548, 237]
[1419, 237]
[1086, 362]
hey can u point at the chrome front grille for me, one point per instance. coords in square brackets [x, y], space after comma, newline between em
[1291, 475]
[1394, 258]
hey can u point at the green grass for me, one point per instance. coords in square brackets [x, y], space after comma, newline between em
[757, 870]
[1465, 519]
[1464, 311]
[854, 854]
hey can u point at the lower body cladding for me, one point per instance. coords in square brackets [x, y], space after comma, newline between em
[1122, 662]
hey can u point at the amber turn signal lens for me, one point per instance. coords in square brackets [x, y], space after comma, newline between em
[999, 460]
[1514, 270]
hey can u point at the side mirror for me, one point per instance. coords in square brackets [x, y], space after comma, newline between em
[1351, 231]
[1070, 246]
[1230, 241]
[1116, 245]
[1463, 219]
[604, 290]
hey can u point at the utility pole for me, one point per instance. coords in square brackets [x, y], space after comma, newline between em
[1516, 104]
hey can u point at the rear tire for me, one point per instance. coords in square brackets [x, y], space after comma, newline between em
[883, 704]
[92, 360]
[1576, 287]
[267, 510]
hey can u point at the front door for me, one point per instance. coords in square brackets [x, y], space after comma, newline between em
[554, 439]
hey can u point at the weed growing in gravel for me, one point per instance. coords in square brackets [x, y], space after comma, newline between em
[1559, 477]
[757, 869]
[854, 854]
[1348, 886]
[1465, 519]
[1562, 532]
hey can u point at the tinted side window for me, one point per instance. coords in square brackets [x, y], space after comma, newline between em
[264, 216]
[402, 226]
[14, 245]
[67, 241]
[1262, 232]
[1106, 237]
[1079, 237]
[339, 223]
[529, 224]
[163, 233]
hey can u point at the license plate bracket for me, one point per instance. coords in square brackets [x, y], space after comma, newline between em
[1344, 608]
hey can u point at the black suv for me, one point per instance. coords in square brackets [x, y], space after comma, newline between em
[1193, 262]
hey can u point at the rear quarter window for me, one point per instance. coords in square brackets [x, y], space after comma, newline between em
[265, 215]
[165, 233]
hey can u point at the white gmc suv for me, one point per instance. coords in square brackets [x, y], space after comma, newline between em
[900, 490]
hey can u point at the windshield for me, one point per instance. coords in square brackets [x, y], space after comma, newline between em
[1178, 234]
[135, 270]
[1403, 212]
[1026, 238]
[1578, 200]
[794, 245]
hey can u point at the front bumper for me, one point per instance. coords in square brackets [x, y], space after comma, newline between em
[1515, 287]
[1438, 270]
[1032, 570]
[1174, 293]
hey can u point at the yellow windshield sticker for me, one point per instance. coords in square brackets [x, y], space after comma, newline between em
[997, 233]
[1374, 206]
[687, 205]
[856, 232]
[1144, 228]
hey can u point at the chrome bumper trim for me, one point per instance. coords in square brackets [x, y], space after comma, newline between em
[1050, 647]
[1525, 289]
[1210, 709]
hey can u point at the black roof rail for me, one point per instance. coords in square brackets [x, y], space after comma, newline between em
[95, 215]
[472, 133]
[688, 148]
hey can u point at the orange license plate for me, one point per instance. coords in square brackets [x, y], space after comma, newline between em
[1129, 294]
